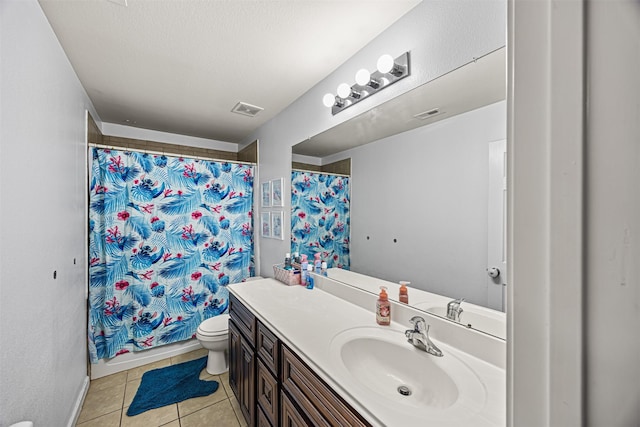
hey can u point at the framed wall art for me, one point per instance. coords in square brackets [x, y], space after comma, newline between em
[265, 193]
[277, 219]
[276, 192]
[265, 224]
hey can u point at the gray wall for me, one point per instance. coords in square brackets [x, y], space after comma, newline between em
[427, 188]
[43, 362]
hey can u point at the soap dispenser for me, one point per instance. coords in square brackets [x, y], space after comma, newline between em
[383, 308]
[403, 295]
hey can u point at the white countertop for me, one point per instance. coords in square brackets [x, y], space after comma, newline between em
[308, 320]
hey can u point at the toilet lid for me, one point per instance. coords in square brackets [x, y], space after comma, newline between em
[215, 325]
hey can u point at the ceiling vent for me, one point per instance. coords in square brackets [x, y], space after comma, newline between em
[428, 114]
[246, 109]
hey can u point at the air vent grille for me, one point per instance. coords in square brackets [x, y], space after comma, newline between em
[427, 114]
[246, 109]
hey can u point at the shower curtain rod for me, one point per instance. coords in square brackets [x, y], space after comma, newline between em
[320, 172]
[165, 153]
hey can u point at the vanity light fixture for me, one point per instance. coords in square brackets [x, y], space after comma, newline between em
[388, 72]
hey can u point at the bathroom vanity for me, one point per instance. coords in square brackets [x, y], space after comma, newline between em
[310, 357]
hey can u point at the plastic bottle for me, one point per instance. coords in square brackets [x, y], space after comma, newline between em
[287, 262]
[310, 277]
[304, 267]
[296, 257]
[403, 295]
[383, 308]
[323, 268]
[317, 263]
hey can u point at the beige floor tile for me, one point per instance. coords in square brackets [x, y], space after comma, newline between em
[192, 355]
[108, 420]
[174, 423]
[152, 418]
[220, 414]
[109, 381]
[101, 402]
[130, 391]
[135, 373]
[236, 409]
[224, 380]
[194, 404]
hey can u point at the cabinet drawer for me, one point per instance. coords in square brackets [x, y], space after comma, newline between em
[267, 348]
[268, 393]
[313, 396]
[244, 319]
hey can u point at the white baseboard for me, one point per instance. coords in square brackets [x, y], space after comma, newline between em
[77, 407]
[132, 360]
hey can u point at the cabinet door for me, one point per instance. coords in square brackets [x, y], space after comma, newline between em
[267, 393]
[247, 381]
[290, 415]
[234, 358]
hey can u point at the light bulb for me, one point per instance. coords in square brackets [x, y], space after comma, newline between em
[363, 77]
[344, 90]
[385, 63]
[329, 100]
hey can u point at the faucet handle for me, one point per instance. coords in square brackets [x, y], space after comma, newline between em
[418, 323]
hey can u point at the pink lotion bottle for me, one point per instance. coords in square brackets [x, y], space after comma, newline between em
[383, 308]
[403, 294]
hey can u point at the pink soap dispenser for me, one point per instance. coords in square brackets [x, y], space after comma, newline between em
[383, 308]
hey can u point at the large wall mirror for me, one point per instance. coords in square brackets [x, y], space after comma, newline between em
[427, 185]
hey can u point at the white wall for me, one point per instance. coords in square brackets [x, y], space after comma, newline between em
[574, 132]
[613, 214]
[441, 37]
[427, 188]
[43, 362]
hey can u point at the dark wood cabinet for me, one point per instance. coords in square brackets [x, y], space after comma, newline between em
[242, 358]
[273, 385]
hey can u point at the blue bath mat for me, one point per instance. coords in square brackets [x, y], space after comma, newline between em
[175, 383]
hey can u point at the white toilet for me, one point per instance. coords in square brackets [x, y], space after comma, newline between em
[213, 334]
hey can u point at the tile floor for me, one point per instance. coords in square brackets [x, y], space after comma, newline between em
[109, 397]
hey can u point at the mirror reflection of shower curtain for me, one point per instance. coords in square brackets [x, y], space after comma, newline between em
[166, 235]
[320, 216]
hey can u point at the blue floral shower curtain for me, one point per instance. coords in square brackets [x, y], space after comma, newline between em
[167, 234]
[320, 216]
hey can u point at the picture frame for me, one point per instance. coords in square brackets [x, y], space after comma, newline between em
[265, 224]
[277, 197]
[277, 219]
[265, 193]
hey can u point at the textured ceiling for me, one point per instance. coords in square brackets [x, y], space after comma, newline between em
[180, 66]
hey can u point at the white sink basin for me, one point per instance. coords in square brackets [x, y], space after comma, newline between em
[383, 366]
[488, 321]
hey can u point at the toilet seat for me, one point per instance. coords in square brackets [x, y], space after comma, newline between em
[214, 326]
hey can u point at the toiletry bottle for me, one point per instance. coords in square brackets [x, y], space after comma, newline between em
[296, 257]
[383, 308]
[310, 277]
[317, 263]
[304, 270]
[287, 262]
[323, 268]
[404, 296]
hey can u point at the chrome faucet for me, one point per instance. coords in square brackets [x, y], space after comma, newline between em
[419, 336]
[454, 310]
